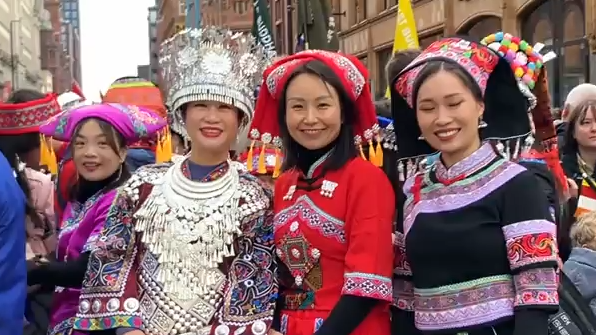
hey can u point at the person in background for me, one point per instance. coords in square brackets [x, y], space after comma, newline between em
[475, 224]
[98, 135]
[188, 245]
[334, 208]
[577, 95]
[581, 265]
[13, 269]
[21, 144]
[139, 92]
[399, 60]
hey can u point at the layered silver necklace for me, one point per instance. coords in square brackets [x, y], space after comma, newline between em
[190, 226]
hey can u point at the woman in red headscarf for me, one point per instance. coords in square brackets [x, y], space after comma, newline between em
[334, 208]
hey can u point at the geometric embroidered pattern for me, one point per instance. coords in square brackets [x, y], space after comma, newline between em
[536, 287]
[464, 304]
[305, 211]
[368, 285]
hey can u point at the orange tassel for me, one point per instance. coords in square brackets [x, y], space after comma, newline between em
[379, 153]
[249, 164]
[371, 153]
[262, 169]
[361, 151]
[47, 156]
[277, 169]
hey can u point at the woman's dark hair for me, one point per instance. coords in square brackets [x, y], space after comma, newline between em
[24, 95]
[434, 67]
[399, 61]
[383, 108]
[16, 146]
[344, 148]
[116, 142]
[577, 114]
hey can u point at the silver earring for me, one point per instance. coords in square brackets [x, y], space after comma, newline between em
[482, 124]
[421, 138]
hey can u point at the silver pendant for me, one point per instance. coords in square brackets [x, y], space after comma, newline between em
[328, 188]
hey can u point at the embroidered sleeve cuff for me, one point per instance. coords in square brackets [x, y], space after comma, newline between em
[530, 242]
[368, 285]
[536, 287]
[401, 267]
[98, 323]
[403, 294]
[103, 314]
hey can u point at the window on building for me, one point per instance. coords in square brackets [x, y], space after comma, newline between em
[383, 58]
[67, 15]
[353, 14]
[428, 40]
[278, 10]
[67, 6]
[483, 27]
[389, 3]
[240, 7]
[279, 33]
[571, 67]
[75, 6]
[182, 7]
[360, 11]
[364, 61]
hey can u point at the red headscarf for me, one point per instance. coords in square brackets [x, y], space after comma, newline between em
[354, 77]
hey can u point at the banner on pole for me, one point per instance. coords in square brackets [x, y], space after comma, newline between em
[406, 35]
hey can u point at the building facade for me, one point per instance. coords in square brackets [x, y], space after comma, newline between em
[567, 27]
[71, 13]
[53, 56]
[20, 23]
[71, 50]
[153, 46]
[71, 38]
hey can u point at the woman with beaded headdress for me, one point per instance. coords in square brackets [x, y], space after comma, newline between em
[475, 224]
[188, 246]
[98, 135]
[334, 208]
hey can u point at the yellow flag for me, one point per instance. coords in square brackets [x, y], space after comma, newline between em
[406, 35]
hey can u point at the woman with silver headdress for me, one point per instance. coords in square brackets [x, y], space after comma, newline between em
[187, 247]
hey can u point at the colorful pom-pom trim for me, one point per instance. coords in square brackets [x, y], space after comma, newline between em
[509, 48]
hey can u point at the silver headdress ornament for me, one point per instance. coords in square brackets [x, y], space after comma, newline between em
[70, 100]
[211, 64]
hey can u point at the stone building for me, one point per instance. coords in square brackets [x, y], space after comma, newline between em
[567, 27]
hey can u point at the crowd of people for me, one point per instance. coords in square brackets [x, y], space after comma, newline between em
[461, 206]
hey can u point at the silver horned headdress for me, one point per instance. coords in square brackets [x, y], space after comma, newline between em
[211, 64]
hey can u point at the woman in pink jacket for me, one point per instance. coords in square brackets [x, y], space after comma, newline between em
[20, 118]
